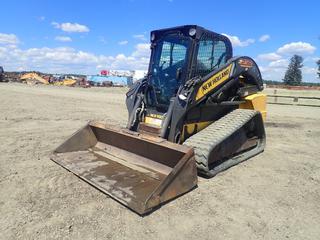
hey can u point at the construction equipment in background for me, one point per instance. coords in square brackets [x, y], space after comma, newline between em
[33, 78]
[66, 82]
[1, 74]
[84, 83]
[198, 108]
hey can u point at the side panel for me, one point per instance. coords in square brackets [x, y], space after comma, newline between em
[214, 81]
[256, 102]
[192, 128]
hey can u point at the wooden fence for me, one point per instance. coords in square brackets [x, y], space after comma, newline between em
[294, 100]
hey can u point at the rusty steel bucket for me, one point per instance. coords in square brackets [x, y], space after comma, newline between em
[138, 170]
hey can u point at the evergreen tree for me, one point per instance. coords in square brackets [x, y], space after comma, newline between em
[318, 62]
[293, 75]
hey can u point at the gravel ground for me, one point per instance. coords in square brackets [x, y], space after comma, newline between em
[275, 195]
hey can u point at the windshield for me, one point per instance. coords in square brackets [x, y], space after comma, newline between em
[169, 58]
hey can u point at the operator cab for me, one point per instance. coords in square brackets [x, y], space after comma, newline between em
[179, 54]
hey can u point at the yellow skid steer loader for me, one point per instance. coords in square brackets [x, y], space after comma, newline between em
[199, 110]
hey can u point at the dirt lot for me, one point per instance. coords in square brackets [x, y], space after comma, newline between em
[276, 195]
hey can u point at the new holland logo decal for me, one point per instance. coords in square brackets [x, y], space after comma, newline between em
[214, 81]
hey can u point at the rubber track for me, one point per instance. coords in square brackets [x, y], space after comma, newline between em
[206, 140]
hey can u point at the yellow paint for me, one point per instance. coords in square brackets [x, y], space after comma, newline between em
[257, 102]
[153, 121]
[65, 82]
[214, 81]
[159, 116]
[33, 76]
[69, 82]
[190, 128]
[58, 83]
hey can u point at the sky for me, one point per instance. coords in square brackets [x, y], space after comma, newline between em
[87, 36]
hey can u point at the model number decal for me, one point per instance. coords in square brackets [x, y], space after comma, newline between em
[155, 116]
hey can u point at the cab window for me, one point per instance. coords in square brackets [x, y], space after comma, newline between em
[211, 55]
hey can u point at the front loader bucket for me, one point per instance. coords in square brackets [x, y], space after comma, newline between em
[138, 170]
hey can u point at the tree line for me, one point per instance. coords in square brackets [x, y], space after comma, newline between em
[293, 75]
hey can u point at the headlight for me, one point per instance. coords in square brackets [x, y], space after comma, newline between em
[192, 32]
[153, 36]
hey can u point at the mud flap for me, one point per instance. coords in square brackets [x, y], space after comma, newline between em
[138, 170]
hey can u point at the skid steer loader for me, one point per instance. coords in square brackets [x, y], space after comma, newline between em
[199, 110]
